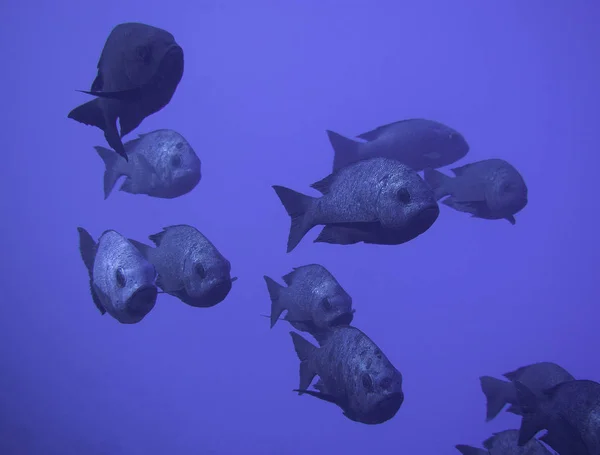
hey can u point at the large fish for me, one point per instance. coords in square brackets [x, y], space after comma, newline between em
[491, 189]
[369, 195]
[121, 280]
[418, 143]
[138, 72]
[189, 266]
[161, 164]
[313, 299]
[570, 411]
[353, 374]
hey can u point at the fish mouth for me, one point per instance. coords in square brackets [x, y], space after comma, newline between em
[218, 292]
[427, 217]
[389, 405]
[143, 300]
[343, 319]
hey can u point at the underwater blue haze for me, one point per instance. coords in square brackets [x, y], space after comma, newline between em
[263, 81]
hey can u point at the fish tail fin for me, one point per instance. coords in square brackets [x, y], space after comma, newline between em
[468, 450]
[496, 392]
[345, 150]
[297, 206]
[89, 113]
[531, 422]
[305, 350]
[439, 183]
[113, 170]
[277, 307]
[87, 249]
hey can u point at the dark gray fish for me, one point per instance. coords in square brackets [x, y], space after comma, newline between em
[189, 266]
[122, 282]
[161, 164]
[369, 195]
[491, 189]
[138, 72]
[537, 377]
[313, 299]
[418, 143]
[505, 443]
[353, 374]
[570, 411]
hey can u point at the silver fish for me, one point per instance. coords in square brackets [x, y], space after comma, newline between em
[121, 280]
[161, 164]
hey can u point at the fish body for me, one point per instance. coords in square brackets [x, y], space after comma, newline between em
[188, 265]
[369, 195]
[353, 374]
[122, 281]
[490, 189]
[314, 299]
[160, 164]
[418, 143]
[139, 70]
[506, 443]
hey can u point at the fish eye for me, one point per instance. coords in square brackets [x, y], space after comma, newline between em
[386, 383]
[326, 304]
[506, 187]
[403, 195]
[179, 145]
[176, 160]
[367, 382]
[120, 276]
[200, 271]
[144, 53]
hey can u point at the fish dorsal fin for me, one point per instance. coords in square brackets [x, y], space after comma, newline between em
[460, 170]
[375, 133]
[514, 375]
[323, 186]
[157, 238]
[288, 278]
[489, 442]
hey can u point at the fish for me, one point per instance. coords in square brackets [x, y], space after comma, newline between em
[368, 195]
[353, 374]
[418, 143]
[188, 265]
[139, 70]
[314, 299]
[160, 164]
[569, 411]
[490, 189]
[505, 443]
[537, 377]
[122, 282]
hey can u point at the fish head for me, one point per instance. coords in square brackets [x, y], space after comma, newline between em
[379, 393]
[178, 165]
[125, 278]
[207, 276]
[506, 193]
[331, 305]
[406, 202]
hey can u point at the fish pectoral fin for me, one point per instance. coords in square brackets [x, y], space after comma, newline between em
[320, 395]
[511, 219]
[130, 95]
[98, 296]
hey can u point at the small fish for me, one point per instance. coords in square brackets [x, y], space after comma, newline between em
[121, 280]
[353, 374]
[490, 189]
[138, 72]
[189, 266]
[161, 164]
[537, 377]
[505, 443]
[418, 143]
[570, 411]
[368, 195]
[313, 299]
